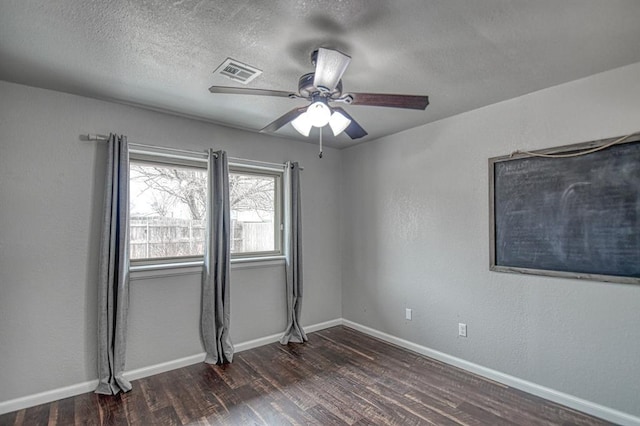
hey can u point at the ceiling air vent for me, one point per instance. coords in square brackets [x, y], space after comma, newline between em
[237, 71]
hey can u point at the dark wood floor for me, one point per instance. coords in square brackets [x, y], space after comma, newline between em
[339, 377]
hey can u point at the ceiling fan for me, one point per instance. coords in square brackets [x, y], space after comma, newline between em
[322, 87]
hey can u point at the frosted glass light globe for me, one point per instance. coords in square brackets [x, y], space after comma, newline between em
[338, 122]
[302, 124]
[319, 114]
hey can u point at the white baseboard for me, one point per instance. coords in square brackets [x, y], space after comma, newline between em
[139, 373]
[562, 398]
[151, 370]
[276, 337]
[323, 325]
[47, 396]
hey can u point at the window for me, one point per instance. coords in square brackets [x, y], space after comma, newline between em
[167, 209]
[255, 212]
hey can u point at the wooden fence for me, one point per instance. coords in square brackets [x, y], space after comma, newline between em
[166, 237]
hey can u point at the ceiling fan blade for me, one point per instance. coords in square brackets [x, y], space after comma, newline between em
[389, 100]
[282, 120]
[247, 91]
[354, 130]
[330, 65]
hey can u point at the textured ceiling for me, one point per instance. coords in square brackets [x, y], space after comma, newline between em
[463, 54]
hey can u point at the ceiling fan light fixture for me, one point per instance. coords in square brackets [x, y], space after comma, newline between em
[302, 124]
[318, 114]
[338, 123]
[321, 88]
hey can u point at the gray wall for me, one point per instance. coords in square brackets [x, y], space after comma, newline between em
[416, 235]
[50, 208]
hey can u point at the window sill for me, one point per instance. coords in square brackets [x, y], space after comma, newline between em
[256, 262]
[159, 270]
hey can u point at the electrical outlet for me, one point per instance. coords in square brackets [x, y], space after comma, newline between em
[407, 313]
[462, 329]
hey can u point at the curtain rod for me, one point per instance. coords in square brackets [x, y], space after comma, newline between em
[104, 138]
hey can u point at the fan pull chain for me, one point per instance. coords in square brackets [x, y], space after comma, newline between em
[320, 155]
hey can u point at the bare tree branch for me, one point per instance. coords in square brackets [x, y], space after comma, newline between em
[180, 185]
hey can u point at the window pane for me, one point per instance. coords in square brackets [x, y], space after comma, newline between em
[167, 210]
[253, 212]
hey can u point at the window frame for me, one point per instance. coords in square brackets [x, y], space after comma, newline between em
[278, 218]
[239, 166]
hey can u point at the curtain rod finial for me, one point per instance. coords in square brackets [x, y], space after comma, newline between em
[92, 137]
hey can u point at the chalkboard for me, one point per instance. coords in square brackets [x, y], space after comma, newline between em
[575, 217]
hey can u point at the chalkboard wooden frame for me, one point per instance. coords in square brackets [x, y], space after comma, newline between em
[495, 263]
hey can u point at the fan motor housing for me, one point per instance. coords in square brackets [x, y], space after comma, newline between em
[306, 89]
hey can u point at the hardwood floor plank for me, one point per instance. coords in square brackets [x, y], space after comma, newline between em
[165, 416]
[486, 416]
[112, 410]
[86, 410]
[151, 388]
[339, 377]
[66, 411]
[215, 393]
[331, 397]
[282, 405]
[259, 403]
[12, 418]
[324, 416]
[390, 405]
[285, 380]
[179, 398]
[38, 415]
[137, 408]
[53, 413]
[235, 375]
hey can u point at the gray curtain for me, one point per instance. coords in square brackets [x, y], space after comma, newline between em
[113, 279]
[293, 263]
[215, 275]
